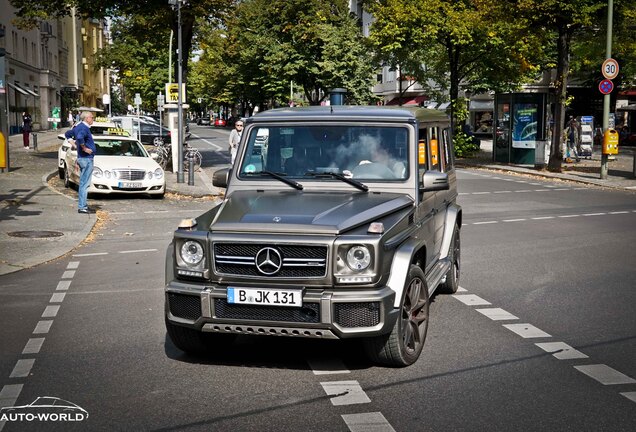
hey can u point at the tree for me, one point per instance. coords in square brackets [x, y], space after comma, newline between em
[455, 44]
[560, 19]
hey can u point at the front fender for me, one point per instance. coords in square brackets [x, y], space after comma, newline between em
[453, 216]
[402, 260]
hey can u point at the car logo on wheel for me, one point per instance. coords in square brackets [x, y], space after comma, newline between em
[268, 261]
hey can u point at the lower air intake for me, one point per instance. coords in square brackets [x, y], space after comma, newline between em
[357, 314]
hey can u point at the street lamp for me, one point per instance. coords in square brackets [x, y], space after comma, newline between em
[179, 92]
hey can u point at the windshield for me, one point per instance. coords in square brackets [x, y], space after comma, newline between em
[303, 151]
[119, 148]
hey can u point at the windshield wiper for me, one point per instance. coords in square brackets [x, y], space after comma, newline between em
[340, 177]
[280, 176]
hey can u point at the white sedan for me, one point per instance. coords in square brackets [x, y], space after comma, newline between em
[121, 165]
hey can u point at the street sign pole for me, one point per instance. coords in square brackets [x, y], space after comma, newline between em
[180, 103]
[606, 98]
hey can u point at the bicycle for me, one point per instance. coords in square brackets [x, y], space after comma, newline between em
[196, 155]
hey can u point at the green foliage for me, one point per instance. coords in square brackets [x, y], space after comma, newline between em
[464, 145]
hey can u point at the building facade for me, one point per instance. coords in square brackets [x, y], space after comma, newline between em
[51, 69]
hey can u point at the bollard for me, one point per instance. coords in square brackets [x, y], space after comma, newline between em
[35, 141]
[190, 168]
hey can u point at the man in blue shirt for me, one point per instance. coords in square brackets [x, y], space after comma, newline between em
[85, 153]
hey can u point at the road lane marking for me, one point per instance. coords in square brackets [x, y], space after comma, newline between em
[460, 289]
[22, 368]
[43, 327]
[138, 250]
[630, 395]
[345, 392]
[497, 314]
[605, 374]
[72, 265]
[485, 223]
[216, 146]
[156, 211]
[327, 366]
[515, 220]
[90, 254]
[619, 212]
[63, 285]
[526, 331]
[69, 274]
[33, 346]
[594, 214]
[471, 299]
[8, 397]
[561, 350]
[50, 311]
[569, 216]
[367, 422]
[542, 217]
[57, 298]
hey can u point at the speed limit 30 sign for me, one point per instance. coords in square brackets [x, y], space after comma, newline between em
[610, 69]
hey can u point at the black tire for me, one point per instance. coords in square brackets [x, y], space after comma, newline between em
[67, 181]
[402, 347]
[195, 342]
[454, 255]
[60, 173]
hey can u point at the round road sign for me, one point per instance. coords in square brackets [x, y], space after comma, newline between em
[610, 69]
[606, 86]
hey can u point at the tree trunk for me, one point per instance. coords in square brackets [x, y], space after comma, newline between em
[453, 58]
[561, 84]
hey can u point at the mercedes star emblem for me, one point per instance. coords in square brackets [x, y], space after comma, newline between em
[268, 261]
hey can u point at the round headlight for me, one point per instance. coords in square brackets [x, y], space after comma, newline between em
[97, 173]
[358, 258]
[158, 173]
[192, 252]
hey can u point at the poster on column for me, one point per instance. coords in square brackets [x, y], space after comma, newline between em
[524, 127]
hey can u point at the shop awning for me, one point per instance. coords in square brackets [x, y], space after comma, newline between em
[443, 106]
[18, 88]
[408, 100]
[31, 92]
[482, 105]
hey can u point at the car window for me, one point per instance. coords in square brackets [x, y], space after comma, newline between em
[359, 152]
[119, 148]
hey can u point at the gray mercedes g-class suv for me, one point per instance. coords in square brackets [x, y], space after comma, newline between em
[338, 222]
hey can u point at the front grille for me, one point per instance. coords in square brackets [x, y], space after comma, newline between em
[184, 306]
[309, 313]
[129, 189]
[130, 174]
[357, 314]
[298, 261]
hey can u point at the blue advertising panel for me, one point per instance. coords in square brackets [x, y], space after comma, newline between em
[524, 128]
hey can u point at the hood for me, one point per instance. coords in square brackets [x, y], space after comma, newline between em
[304, 212]
[116, 162]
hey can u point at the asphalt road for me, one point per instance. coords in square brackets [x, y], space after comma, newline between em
[552, 261]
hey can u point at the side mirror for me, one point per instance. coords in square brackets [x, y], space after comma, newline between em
[434, 181]
[220, 178]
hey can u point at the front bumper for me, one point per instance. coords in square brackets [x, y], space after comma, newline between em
[329, 313]
[102, 186]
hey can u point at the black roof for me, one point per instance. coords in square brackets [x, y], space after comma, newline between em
[350, 112]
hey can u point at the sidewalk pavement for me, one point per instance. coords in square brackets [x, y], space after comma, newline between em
[39, 224]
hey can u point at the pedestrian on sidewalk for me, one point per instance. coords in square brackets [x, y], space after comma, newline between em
[83, 137]
[26, 129]
[235, 138]
[573, 138]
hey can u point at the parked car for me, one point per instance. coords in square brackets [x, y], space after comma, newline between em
[122, 165]
[204, 121]
[344, 228]
[97, 128]
[219, 122]
[151, 133]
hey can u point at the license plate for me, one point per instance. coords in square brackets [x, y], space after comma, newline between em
[262, 296]
[129, 185]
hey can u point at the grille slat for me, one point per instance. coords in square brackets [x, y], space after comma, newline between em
[308, 313]
[298, 261]
[130, 174]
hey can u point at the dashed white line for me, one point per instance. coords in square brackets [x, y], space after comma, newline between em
[630, 395]
[485, 223]
[57, 298]
[138, 250]
[471, 299]
[72, 265]
[460, 289]
[619, 212]
[91, 254]
[8, 396]
[594, 214]
[68, 274]
[497, 314]
[526, 331]
[561, 350]
[33, 346]
[50, 311]
[155, 211]
[345, 392]
[63, 285]
[327, 366]
[367, 422]
[515, 220]
[543, 217]
[22, 368]
[605, 374]
[43, 327]
[569, 216]
[502, 192]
